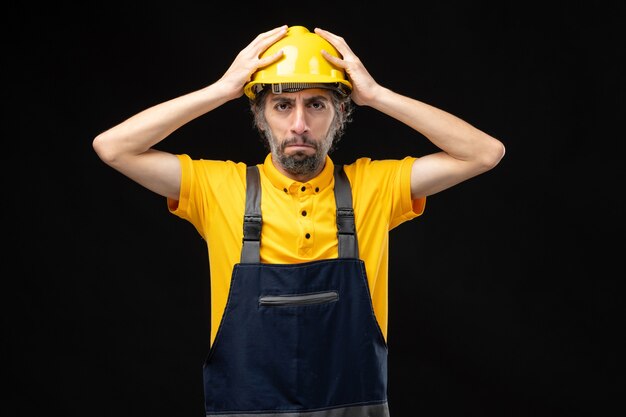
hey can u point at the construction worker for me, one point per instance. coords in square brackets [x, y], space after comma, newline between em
[298, 245]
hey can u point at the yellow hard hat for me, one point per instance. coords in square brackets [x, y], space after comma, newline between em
[301, 66]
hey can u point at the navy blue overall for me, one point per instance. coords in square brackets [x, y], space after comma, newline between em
[298, 340]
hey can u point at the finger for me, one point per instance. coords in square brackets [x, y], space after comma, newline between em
[325, 33]
[263, 62]
[266, 39]
[337, 41]
[333, 59]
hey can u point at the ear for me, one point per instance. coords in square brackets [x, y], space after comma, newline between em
[261, 124]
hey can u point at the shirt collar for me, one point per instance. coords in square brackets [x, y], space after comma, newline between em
[280, 181]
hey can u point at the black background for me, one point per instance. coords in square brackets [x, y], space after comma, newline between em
[505, 296]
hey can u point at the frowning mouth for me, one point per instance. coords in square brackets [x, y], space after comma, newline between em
[299, 144]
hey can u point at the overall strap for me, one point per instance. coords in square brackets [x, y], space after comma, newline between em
[252, 221]
[346, 229]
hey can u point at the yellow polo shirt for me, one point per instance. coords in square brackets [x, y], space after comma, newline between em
[299, 223]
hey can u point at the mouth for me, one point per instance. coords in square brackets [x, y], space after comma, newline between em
[301, 146]
[299, 150]
[296, 145]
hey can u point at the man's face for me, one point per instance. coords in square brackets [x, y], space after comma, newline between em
[300, 130]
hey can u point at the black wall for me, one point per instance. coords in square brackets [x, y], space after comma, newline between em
[504, 296]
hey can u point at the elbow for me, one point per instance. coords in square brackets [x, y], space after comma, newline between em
[103, 148]
[492, 155]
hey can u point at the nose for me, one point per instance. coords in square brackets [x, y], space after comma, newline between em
[299, 123]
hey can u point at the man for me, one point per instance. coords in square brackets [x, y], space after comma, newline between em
[297, 245]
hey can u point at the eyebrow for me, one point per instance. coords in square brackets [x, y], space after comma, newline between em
[306, 100]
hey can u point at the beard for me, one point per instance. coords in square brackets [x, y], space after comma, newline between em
[299, 163]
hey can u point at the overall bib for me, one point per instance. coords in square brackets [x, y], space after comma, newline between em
[298, 340]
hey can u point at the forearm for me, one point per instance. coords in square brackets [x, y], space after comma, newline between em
[449, 133]
[139, 133]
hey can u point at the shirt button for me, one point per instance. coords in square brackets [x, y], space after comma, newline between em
[303, 188]
[308, 235]
[284, 189]
[317, 189]
[304, 212]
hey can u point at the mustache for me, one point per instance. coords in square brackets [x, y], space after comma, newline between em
[304, 140]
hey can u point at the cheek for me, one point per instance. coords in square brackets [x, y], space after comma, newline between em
[280, 127]
[320, 123]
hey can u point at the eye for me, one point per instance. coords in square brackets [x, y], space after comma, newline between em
[282, 106]
[318, 105]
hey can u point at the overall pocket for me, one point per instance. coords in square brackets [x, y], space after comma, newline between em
[298, 299]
